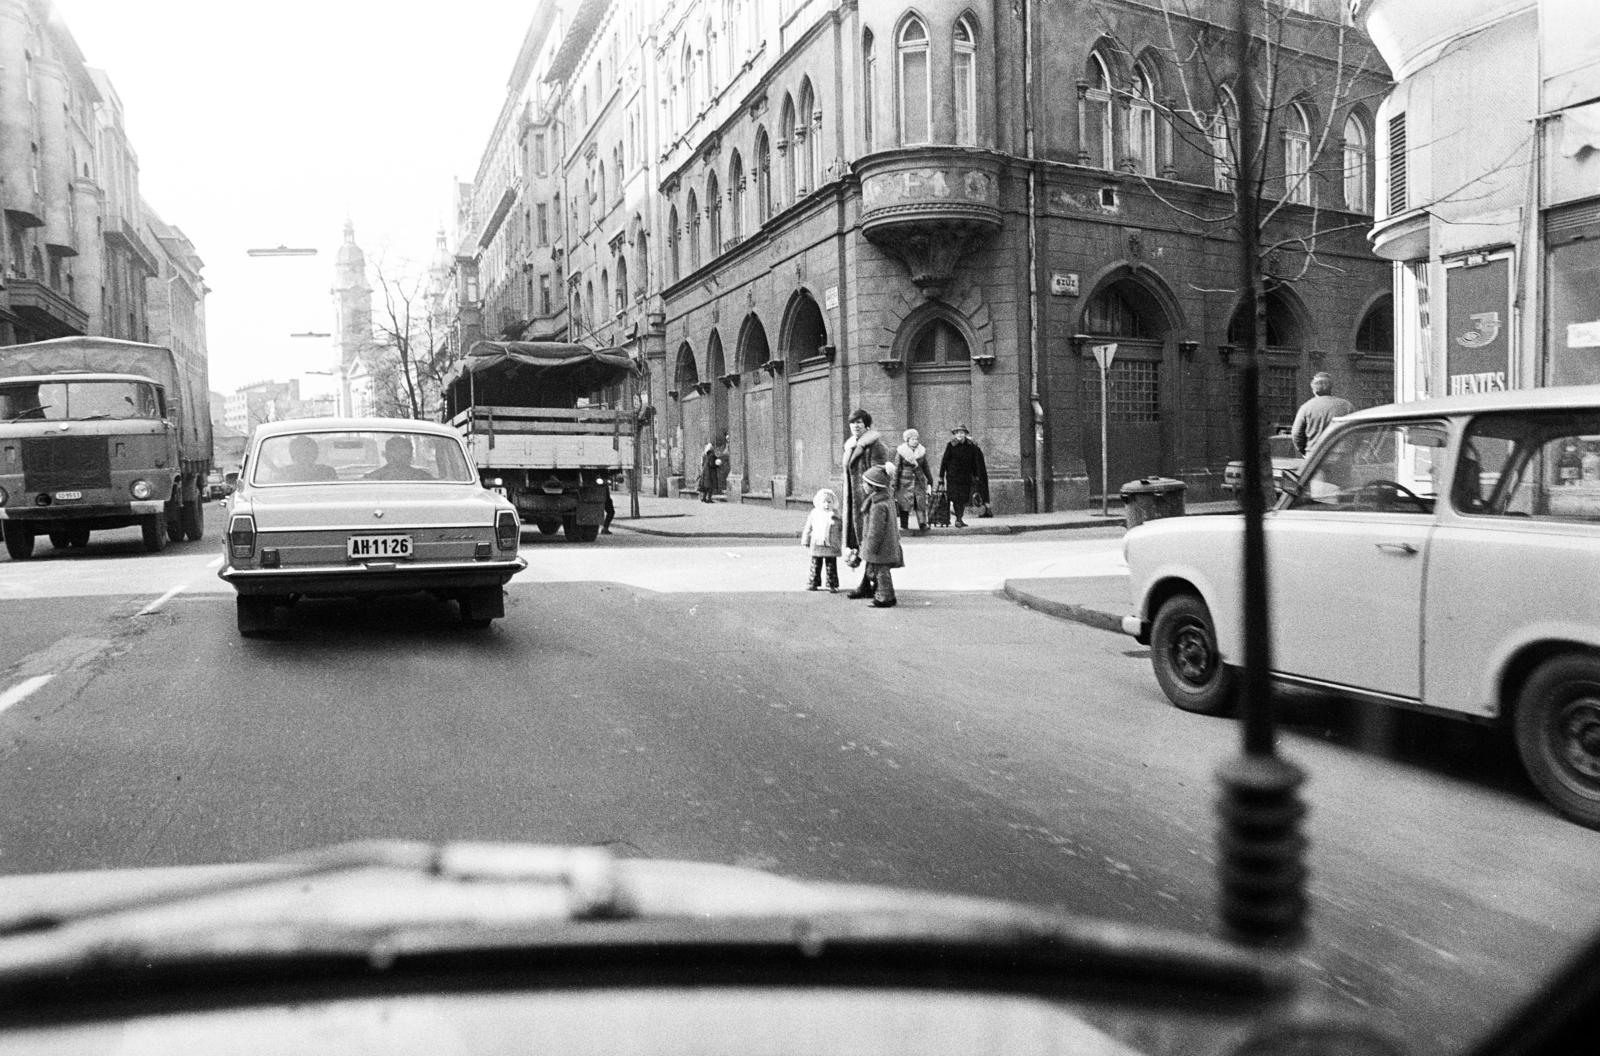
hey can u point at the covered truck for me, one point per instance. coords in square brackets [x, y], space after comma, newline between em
[548, 425]
[97, 433]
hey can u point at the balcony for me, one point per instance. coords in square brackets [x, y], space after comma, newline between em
[929, 206]
[45, 310]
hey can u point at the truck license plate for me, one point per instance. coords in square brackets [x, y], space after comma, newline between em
[380, 546]
[67, 496]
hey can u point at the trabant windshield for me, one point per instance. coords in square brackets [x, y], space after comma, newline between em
[61, 401]
[1386, 467]
[331, 457]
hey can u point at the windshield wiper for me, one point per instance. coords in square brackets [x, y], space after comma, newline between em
[589, 876]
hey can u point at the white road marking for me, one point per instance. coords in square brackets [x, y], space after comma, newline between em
[155, 606]
[22, 690]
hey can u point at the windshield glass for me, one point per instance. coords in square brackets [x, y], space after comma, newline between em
[376, 455]
[78, 400]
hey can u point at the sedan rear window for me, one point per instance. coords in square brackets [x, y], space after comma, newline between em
[357, 456]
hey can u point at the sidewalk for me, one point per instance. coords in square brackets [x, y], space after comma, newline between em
[1098, 601]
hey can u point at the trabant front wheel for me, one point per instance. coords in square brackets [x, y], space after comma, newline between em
[1558, 734]
[1183, 651]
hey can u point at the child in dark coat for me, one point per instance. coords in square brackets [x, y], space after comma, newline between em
[880, 541]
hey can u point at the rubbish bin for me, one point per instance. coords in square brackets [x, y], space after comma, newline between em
[1148, 498]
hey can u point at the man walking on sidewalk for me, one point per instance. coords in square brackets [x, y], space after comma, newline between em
[1317, 413]
[962, 473]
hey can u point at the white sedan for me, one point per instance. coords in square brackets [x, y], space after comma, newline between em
[329, 507]
[1442, 555]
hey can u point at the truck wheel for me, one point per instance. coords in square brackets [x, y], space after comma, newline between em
[1558, 734]
[154, 527]
[78, 537]
[19, 542]
[60, 540]
[579, 533]
[1183, 651]
[174, 516]
[194, 520]
[254, 613]
[547, 527]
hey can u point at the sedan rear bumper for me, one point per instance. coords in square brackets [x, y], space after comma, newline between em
[372, 577]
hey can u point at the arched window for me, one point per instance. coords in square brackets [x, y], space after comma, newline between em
[964, 80]
[805, 142]
[1223, 137]
[575, 322]
[714, 215]
[1297, 155]
[1112, 314]
[617, 170]
[691, 104]
[622, 283]
[603, 306]
[687, 376]
[600, 198]
[916, 96]
[1357, 171]
[730, 39]
[1143, 142]
[736, 197]
[1097, 138]
[673, 265]
[590, 312]
[869, 87]
[939, 343]
[641, 268]
[714, 67]
[694, 233]
[786, 149]
[764, 203]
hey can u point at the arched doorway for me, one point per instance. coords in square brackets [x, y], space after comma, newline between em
[1373, 356]
[811, 426]
[691, 416]
[759, 461]
[1126, 313]
[938, 359]
[1283, 388]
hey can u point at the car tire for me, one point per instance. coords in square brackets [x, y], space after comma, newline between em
[193, 518]
[255, 614]
[548, 527]
[154, 529]
[60, 540]
[19, 542]
[1557, 728]
[78, 537]
[1188, 665]
[481, 606]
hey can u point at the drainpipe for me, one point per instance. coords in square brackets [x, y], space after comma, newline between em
[1037, 404]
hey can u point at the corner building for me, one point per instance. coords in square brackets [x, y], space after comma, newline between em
[935, 211]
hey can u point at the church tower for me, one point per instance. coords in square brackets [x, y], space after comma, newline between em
[352, 328]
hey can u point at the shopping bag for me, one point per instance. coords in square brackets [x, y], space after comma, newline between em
[939, 508]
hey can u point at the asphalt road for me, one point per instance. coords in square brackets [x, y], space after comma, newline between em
[690, 701]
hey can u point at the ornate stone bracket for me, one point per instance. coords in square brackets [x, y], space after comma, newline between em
[729, 381]
[928, 207]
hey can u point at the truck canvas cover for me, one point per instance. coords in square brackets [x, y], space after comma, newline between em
[534, 374]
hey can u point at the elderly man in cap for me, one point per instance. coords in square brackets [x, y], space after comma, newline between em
[1317, 413]
[962, 473]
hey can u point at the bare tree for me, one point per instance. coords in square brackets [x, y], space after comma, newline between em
[411, 357]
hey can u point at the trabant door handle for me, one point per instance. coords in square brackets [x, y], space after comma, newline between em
[1399, 548]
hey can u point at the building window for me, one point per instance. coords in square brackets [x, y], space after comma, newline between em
[694, 233]
[764, 204]
[736, 198]
[589, 315]
[916, 96]
[713, 53]
[673, 271]
[1144, 144]
[869, 87]
[622, 283]
[1097, 139]
[1356, 171]
[544, 294]
[963, 73]
[541, 223]
[805, 142]
[1397, 164]
[1224, 139]
[690, 103]
[1297, 155]
[600, 198]
[714, 214]
[786, 149]
[642, 268]
[540, 153]
[937, 343]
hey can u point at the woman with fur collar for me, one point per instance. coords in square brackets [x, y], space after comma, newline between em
[862, 450]
[912, 479]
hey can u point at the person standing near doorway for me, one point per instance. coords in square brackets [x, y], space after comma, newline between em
[912, 479]
[1317, 413]
[962, 472]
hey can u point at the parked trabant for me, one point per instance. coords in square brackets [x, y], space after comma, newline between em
[1441, 555]
[330, 507]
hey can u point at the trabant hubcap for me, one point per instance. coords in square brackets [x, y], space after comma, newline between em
[1192, 655]
[1578, 734]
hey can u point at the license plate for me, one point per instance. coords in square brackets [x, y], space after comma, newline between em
[380, 546]
[66, 496]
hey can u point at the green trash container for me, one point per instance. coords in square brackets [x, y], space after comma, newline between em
[1148, 498]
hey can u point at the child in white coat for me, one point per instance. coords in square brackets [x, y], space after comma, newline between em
[823, 534]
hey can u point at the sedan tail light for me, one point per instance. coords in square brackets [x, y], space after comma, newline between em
[242, 536]
[506, 530]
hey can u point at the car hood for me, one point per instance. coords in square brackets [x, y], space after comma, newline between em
[377, 504]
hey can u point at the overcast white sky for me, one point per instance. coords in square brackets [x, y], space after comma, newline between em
[269, 124]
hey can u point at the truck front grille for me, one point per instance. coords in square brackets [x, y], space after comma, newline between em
[57, 463]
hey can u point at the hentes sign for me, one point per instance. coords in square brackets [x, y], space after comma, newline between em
[1478, 298]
